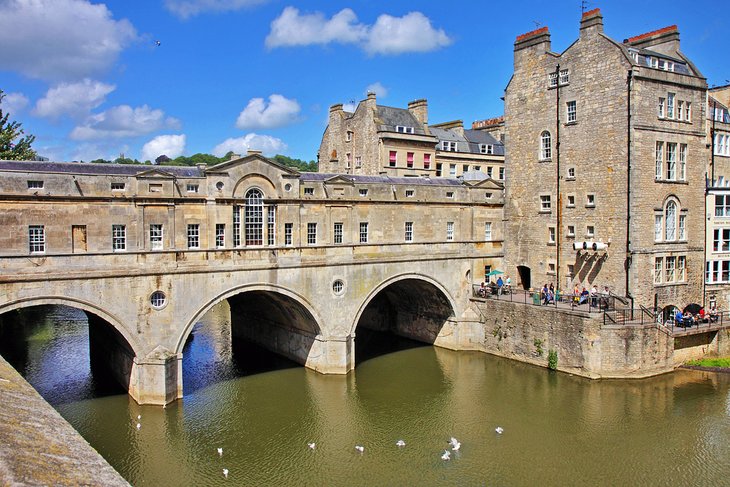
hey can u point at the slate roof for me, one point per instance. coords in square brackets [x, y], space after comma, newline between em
[680, 65]
[99, 169]
[476, 137]
[355, 178]
[388, 118]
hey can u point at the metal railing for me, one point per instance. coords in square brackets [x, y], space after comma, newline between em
[587, 304]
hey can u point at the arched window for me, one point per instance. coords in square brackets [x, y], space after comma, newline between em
[254, 217]
[545, 146]
[670, 221]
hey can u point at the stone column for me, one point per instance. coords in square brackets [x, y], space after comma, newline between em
[157, 378]
[332, 355]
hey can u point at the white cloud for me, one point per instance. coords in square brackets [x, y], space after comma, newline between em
[74, 99]
[189, 8]
[411, 33]
[88, 152]
[13, 103]
[123, 121]
[170, 145]
[389, 35]
[293, 29]
[377, 88]
[265, 143]
[350, 106]
[280, 111]
[60, 39]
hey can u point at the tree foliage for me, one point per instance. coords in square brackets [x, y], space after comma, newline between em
[14, 145]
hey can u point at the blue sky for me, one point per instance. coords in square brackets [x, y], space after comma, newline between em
[89, 79]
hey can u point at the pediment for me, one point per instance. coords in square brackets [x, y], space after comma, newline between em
[155, 173]
[339, 179]
[252, 159]
[487, 183]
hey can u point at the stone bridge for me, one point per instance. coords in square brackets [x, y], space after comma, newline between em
[304, 303]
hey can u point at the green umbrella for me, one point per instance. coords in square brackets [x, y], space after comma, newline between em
[494, 273]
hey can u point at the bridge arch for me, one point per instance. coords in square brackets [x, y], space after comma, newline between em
[282, 305]
[417, 307]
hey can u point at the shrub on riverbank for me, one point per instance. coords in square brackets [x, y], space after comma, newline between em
[723, 363]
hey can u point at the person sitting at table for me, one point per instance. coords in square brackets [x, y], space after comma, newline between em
[714, 314]
[576, 294]
[583, 296]
[678, 317]
[688, 319]
[702, 316]
[483, 290]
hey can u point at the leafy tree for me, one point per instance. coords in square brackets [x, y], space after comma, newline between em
[101, 161]
[13, 145]
[301, 165]
[163, 159]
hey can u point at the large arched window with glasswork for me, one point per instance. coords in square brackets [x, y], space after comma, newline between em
[670, 222]
[254, 217]
[546, 146]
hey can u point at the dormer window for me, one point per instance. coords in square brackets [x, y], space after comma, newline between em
[448, 145]
[402, 129]
[486, 148]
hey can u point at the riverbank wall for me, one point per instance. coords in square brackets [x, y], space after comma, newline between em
[583, 344]
[38, 446]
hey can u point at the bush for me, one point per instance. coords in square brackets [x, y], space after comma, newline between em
[552, 359]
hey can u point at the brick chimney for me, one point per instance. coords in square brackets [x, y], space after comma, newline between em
[533, 42]
[664, 40]
[419, 109]
[591, 23]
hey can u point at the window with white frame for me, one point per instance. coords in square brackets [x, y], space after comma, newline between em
[658, 227]
[308, 191]
[236, 226]
[449, 231]
[337, 233]
[409, 232]
[288, 233]
[220, 235]
[486, 148]
[489, 171]
[658, 269]
[717, 271]
[552, 80]
[661, 108]
[358, 161]
[590, 231]
[363, 192]
[688, 112]
[35, 184]
[722, 144]
[311, 233]
[571, 173]
[682, 162]
[464, 168]
[427, 161]
[348, 136]
[119, 238]
[409, 159]
[571, 201]
[254, 217]
[450, 195]
[670, 219]
[392, 158]
[488, 231]
[545, 203]
[680, 110]
[722, 205]
[271, 225]
[448, 145]
[681, 266]
[545, 146]
[410, 193]
[118, 186]
[348, 160]
[452, 170]
[551, 235]
[670, 265]
[671, 162]
[564, 77]
[590, 200]
[363, 232]
[572, 111]
[721, 240]
[551, 268]
[659, 160]
[156, 236]
[571, 230]
[192, 188]
[670, 105]
[682, 227]
[193, 235]
[404, 129]
[37, 239]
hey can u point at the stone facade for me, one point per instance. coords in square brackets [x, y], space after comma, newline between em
[382, 140]
[582, 132]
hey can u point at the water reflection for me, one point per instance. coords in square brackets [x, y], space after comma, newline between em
[263, 410]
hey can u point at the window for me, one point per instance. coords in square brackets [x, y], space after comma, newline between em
[489, 171]
[158, 299]
[155, 188]
[35, 184]
[658, 226]
[271, 225]
[438, 169]
[551, 268]
[722, 144]
[590, 200]
[571, 230]
[363, 192]
[659, 160]
[721, 240]
[448, 145]
[564, 77]
[118, 186]
[308, 191]
[486, 148]
[552, 80]
[477, 168]
[670, 105]
[662, 105]
[36, 239]
[156, 236]
[119, 238]
[427, 161]
[715, 271]
[409, 232]
[572, 113]
[682, 233]
[450, 195]
[193, 188]
[409, 159]
[338, 287]
[545, 146]
[688, 112]
[670, 263]
[671, 163]
[410, 193]
[658, 266]
[590, 231]
[363, 232]
[288, 231]
[681, 266]
[501, 173]
[393, 158]
[670, 218]
[449, 231]
[236, 226]
[487, 231]
[571, 269]
[452, 170]
[682, 162]
[311, 233]
[358, 161]
[348, 160]
[464, 168]
[337, 233]
[220, 235]
[680, 110]
[254, 217]
[193, 235]
[545, 202]
[551, 235]
[404, 130]
[571, 201]
[348, 136]
[571, 173]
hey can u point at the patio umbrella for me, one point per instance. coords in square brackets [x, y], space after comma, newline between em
[693, 308]
[494, 273]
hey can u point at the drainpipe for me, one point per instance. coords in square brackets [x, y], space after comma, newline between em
[558, 226]
[627, 263]
[707, 188]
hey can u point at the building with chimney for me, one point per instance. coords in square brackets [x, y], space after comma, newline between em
[606, 156]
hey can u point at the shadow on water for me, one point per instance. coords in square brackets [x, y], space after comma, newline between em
[371, 344]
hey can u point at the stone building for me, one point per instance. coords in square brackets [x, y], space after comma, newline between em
[606, 159]
[717, 268]
[381, 140]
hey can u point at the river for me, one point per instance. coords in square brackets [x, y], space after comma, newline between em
[263, 411]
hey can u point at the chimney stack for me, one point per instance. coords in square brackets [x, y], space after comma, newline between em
[419, 109]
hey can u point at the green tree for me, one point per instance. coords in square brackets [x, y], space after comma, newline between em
[13, 145]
